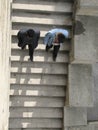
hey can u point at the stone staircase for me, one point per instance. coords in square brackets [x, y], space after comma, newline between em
[37, 89]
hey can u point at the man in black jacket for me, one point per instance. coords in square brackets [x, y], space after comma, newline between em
[28, 37]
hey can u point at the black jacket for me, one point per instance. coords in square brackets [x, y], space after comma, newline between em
[24, 40]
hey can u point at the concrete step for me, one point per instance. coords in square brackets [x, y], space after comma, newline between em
[36, 112]
[44, 68]
[64, 47]
[14, 33]
[35, 123]
[47, 6]
[75, 116]
[16, 26]
[89, 126]
[49, 91]
[37, 85]
[44, 79]
[30, 101]
[80, 128]
[37, 1]
[42, 19]
[36, 129]
[39, 56]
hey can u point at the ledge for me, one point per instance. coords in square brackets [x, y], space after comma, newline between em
[86, 7]
[75, 116]
[84, 47]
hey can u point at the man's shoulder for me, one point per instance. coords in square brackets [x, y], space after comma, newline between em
[22, 31]
[37, 32]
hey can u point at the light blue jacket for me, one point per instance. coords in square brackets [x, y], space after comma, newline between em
[50, 36]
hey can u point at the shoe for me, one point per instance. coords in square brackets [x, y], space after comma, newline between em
[31, 59]
[24, 47]
[54, 58]
[46, 48]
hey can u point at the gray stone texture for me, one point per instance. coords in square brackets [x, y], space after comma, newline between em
[93, 125]
[85, 45]
[89, 126]
[74, 116]
[87, 7]
[88, 3]
[93, 112]
[80, 128]
[80, 85]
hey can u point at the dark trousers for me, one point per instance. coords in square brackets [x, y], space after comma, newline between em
[31, 51]
[55, 50]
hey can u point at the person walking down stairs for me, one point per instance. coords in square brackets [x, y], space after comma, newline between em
[54, 38]
[28, 37]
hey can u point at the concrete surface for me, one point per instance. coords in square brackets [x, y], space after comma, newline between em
[89, 126]
[93, 112]
[85, 47]
[75, 116]
[80, 85]
[87, 7]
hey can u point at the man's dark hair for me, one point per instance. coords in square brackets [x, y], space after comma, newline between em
[30, 32]
[61, 38]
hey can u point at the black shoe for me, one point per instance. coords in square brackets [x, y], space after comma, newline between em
[24, 47]
[54, 58]
[31, 59]
[47, 48]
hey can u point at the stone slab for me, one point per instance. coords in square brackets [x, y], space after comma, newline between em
[93, 112]
[80, 128]
[85, 47]
[75, 116]
[80, 86]
[87, 7]
[89, 126]
[93, 125]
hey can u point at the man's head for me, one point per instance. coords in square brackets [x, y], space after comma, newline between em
[25, 37]
[30, 32]
[61, 37]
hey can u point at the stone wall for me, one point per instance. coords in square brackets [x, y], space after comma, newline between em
[83, 56]
[85, 47]
[4, 62]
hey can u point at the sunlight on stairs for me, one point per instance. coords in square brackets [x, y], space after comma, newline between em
[37, 89]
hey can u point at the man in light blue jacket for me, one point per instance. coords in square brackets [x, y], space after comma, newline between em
[54, 38]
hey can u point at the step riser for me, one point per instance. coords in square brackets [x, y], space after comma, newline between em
[38, 79]
[36, 129]
[41, 7]
[42, 21]
[35, 123]
[36, 113]
[16, 26]
[14, 33]
[41, 1]
[22, 55]
[39, 68]
[63, 47]
[28, 101]
[38, 91]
